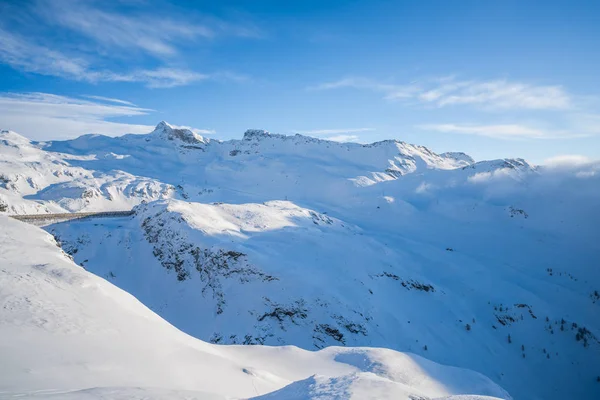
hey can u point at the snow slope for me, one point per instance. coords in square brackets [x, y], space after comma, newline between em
[272, 239]
[35, 181]
[68, 334]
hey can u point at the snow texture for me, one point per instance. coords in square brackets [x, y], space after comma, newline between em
[490, 266]
[68, 334]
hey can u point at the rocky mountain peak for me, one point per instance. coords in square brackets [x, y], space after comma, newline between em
[170, 132]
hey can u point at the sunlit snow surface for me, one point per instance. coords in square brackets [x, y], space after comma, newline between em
[68, 334]
[490, 266]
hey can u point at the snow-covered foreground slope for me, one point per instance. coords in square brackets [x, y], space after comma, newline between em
[276, 273]
[490, 266]
[68, 334]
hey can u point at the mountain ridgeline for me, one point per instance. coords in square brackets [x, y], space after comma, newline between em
[291, 240]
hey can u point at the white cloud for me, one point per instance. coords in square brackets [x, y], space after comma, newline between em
[480, 177]
[493, 94]
[391, 91]
[43, 116]
[343, 138]
[499, 94]
[160, 78]
[573, 128]
[571, 115]
[423, 188]
[337, 135]
[20, 54]
[505, 131]
[111, 100]
[103, 33]
[153, 34]
[581, 166]
[334, 131]
[357, 83]
[567, 160]
[150, 29]
[195, 130]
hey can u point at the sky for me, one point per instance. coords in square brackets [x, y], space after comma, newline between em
[490, 78]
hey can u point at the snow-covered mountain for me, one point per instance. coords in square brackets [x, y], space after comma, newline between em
[67, 334]
[490, 266]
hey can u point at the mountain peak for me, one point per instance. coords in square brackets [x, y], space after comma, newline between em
[256, 133]
[458, 156]
[7, 135]
[170, 132]
[163, 125]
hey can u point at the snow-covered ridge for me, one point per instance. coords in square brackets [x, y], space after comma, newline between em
[68, 334]
[506, 163]
[276, 273]
[404, 150]
[458, 156]
[77, 175]
[488, 266]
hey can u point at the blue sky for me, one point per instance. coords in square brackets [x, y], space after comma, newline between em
[491, 78]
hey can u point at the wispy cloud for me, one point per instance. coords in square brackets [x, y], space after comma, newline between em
[196, 130]
[568, 126]
[105, 35]
[504, 131]
[111, 100]
[581, 166]
[337, 135]
[334, 131]
[343, 138]
[497, 94]
[161, 77]
[157, 35]
[567, 160]
[391, 91]
[513, 131]
[492, 94]
[568, 116]
[43, 116]
[21, 54]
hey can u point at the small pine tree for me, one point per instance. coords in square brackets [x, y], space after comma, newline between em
[509, 339]
[522, 347]
[425, 347]
[468, 327]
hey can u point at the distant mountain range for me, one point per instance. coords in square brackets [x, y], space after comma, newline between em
[490, 266]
